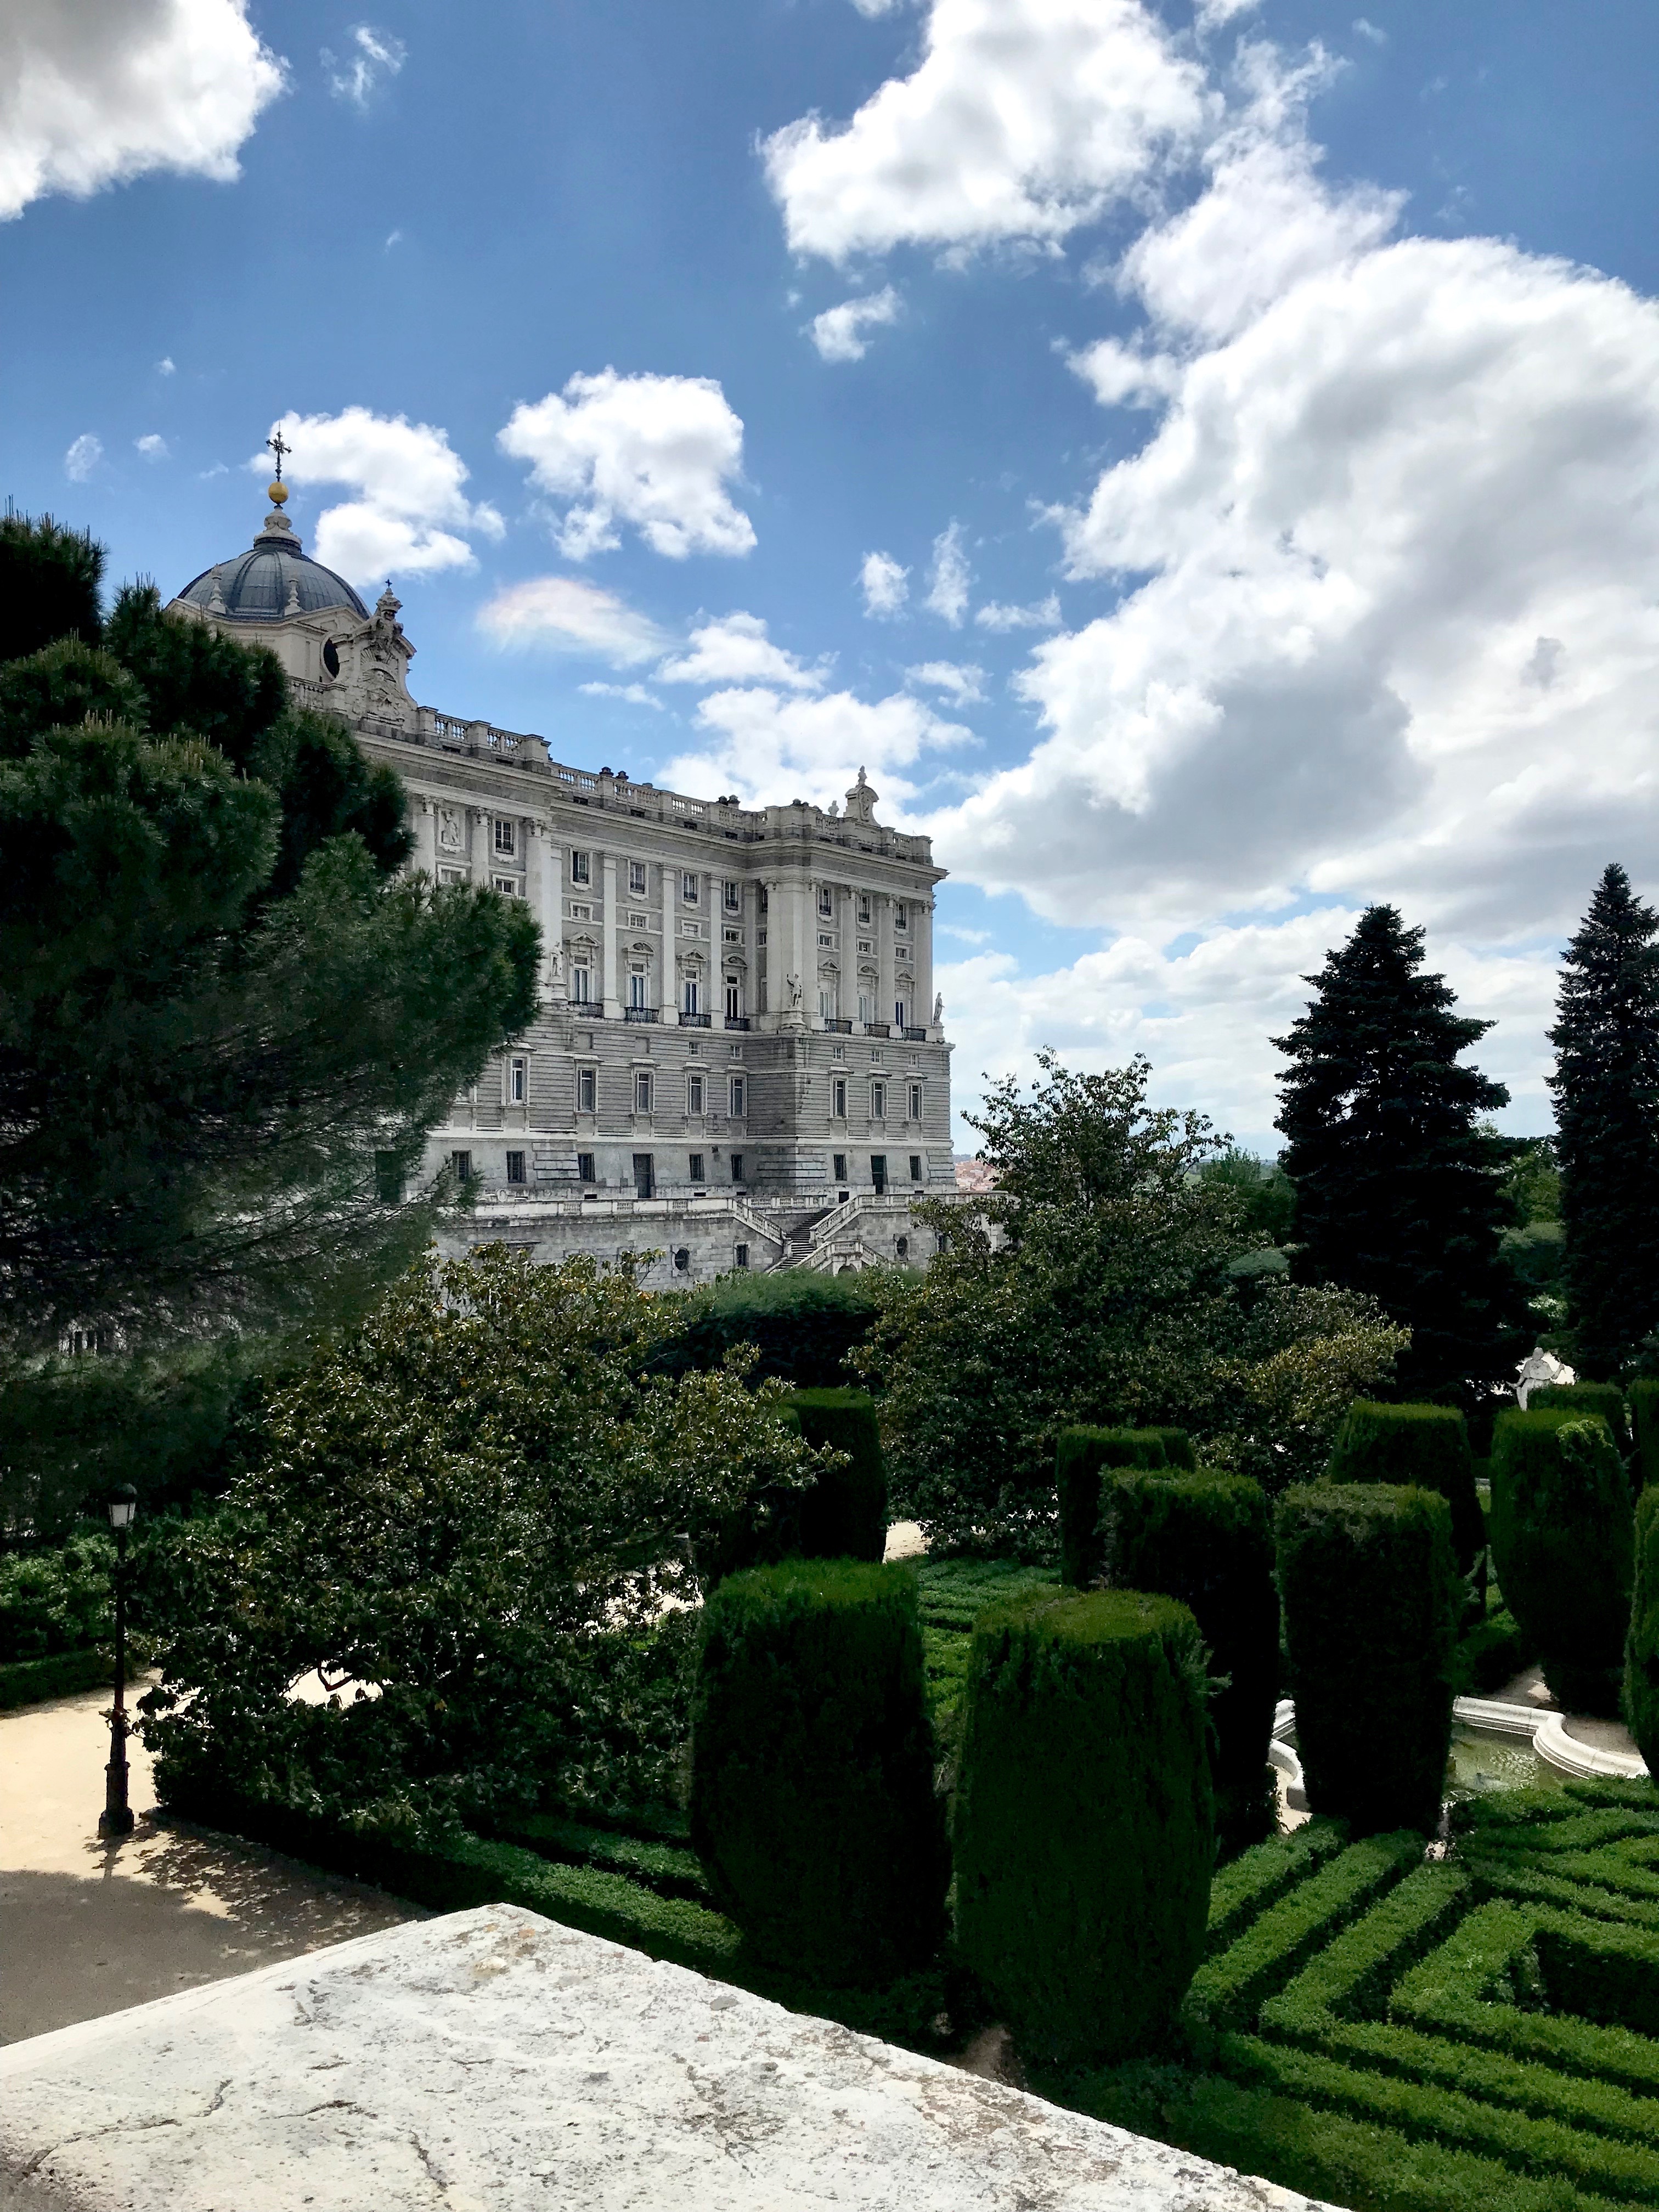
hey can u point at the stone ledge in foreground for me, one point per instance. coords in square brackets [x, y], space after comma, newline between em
[493, 2060]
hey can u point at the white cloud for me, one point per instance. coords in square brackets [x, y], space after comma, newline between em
[407, 480]
[947, 594]
[874, 8]
[83, 457]
[655, 453]
[634, 695]
[962, 682]
[373, 57]
[1211, 14]
[1369, 31]
[152, 446]
[838, 332]
[1124, 376]
[735, 649]
[998, 615]
[772, 748]
[164, 367]
[103, 91]
[566, 614]
[885, 585]
[1024, 119]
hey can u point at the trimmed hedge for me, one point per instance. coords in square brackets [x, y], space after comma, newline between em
[1583, 1400]
[1207, 1540]
[812, 1802]
[1084, 1819]
[32, 1681]
[1424, 1447]
[1080, 1455]
[1562, 1539]
[1643, 1397]
[1642, 1643]
[802, 1323]
[844, 1515]
[1177, 1447]
[1371, 1592]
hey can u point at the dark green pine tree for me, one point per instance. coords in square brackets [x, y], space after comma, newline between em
[1607, 1118]
[1399, 1186]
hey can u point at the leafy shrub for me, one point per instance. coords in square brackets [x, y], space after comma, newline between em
[58, 1600]
[1491, 1653]
[812, 1801]
[1084, 1819]
[802, 1325]
[1369, 1590]
[1561, 1538]
[1424, 1446]
[1206, 1540]
[1582, 1400]
[1643, 1395]
[1080, 1455]
[1641, 1645]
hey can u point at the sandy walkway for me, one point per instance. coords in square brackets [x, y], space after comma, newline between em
[87, 1927]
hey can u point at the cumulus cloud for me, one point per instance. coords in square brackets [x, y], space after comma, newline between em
[566, 614]
[962, 684]
[83, 457]
[947, 594]
[735, 649]
[652, 454]
[634, 695]
[1000, 615]
[408, 479]
[1369, 31]
[106, 90]
[372, 59]
[772, 747]
[1126, 376]
[838, 332]
[1022, 120]
[885, 585]
[153, 446]
[164, 366]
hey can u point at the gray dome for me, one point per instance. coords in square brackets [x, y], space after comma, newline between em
[273, 578]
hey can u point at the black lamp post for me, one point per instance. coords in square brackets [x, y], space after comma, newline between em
[116, 1819]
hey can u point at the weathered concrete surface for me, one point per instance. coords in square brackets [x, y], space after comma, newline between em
[493, 2062]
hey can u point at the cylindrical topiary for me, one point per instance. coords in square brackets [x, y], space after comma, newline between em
[1561, 1541]
[1582, 1400]
[1641, 1645]
[812, 1801]
[1080, 1454]
[1177, 1447]
[1206, 1540]
[1083, 1822]
[1643, 1395]
[843, 1514]
[1424, 1447]
[1370, 1589]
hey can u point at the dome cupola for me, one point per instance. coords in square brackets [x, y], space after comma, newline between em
[273, 580]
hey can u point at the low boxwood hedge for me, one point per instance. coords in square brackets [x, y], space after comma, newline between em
[32, 1681]
[1562, 1540]
[1081, 1455]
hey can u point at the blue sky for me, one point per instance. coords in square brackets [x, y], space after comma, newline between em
[1261, 404]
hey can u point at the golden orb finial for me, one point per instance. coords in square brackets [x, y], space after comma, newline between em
[278, 491]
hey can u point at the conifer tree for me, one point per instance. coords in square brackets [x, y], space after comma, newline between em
[1398, 1184]
[1607, 1114]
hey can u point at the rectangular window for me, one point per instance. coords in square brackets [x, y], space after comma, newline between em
[506, 885]
[636, 877]
[732, 897]
[588, 1090]
[689, 891]
[645, 1175]
[826, 902]
[864, 909]
[762, 899]
[388, 1179]
[741, 1255]
[737, 1167]
[506, 837]
[518, 1079]
[901, 916]
[581, 867]
[451, 875]
[580, 912]
[838, 1101]
[585, 1168]
[639, 921]
[878, 1102]
[866, 1007]
[826, 936]
[826, 1003]
[916, 1101]
[733, 998]
[840, 1167]
[915, 1167]
[697, 1165]
[739, 1098]
[581, 985]
[878, 1172]
[638, 984]
[515, 1167]
[694, 1105]
[642, 1092]
[462, 1164]
[692, 996]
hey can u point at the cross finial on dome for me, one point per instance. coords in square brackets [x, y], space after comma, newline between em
[279, 446]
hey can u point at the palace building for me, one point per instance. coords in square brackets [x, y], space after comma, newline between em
[737, 1059]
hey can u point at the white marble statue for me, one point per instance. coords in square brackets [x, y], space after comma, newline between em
[1538, 1368]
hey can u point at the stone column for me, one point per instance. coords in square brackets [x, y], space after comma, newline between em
[425, 825]
[608, 979]
[479, 856]
[541, 887]
[885, 988]
[921, 920]
[796, 895]
[669, 981]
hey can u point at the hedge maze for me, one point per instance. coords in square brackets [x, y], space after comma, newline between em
[1392, 2030]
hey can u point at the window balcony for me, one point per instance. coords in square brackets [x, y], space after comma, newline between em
[737, 1021]
[915, 1037]
[839, 1024]
[879, 1029]
[639, 1013]
[694, 1021]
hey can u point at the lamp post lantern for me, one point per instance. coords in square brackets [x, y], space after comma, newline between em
[116, 1819]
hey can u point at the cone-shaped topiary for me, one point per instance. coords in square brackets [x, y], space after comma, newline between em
[1206, 1539]
[812, 1799]
[1084, 1822]
[1426, 1447]
[1561, 1541]
[1582, 1400]
[1642, 1645]
[1080, 1454]
[1369, 1590]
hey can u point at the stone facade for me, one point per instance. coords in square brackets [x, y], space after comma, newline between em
[737, 1059]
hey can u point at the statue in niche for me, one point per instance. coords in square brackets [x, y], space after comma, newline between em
[794, 995]
[555, 960]
[449, 828]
